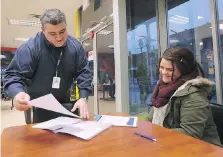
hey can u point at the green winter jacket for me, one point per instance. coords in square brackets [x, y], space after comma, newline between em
[188, 111]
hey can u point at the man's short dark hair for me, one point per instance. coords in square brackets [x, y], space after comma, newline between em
[53, 16]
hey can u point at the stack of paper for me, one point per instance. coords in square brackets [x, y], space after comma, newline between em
[76, 127]
[117, 120]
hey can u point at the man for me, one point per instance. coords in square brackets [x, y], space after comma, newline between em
[49, 63]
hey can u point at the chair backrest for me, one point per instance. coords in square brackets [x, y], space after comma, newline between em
[217, 111]
[28, 116]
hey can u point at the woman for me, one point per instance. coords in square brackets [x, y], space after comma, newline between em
[108, 85]
[180, 99]
[107, 79]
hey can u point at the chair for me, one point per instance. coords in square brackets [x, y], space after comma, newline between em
[217, 111]
[28, 116]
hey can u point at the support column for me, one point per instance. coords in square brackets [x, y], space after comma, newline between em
[121, 56]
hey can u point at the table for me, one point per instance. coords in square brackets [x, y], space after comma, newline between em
[24, 141]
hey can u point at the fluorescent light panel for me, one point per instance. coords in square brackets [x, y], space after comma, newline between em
[182, 17]
[176, 22]
[173, 41]
[24, 23]
[21, 39]
[177, 19]
[105, 32]
[111, 46]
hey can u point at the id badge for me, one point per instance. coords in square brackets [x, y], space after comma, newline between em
[56, 82]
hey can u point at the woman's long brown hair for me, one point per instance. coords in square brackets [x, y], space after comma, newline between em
[184, 61]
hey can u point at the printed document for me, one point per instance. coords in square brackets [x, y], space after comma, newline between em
[49, 102]
[80, 128]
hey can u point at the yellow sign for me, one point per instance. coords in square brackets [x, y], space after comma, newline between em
[211, 71]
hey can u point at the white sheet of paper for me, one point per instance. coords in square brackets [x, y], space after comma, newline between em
[76, 127]
[49, 102]
[118, 120]
[84, 129]
[54, 124]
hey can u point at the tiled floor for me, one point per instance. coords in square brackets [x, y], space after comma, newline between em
[14, 118]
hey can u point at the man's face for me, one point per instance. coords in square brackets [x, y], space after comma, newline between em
[55, 34]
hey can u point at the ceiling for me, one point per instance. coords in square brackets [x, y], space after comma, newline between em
[103, 41]
[90, 18]
[20, 10]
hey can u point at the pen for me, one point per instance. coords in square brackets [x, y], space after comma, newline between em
[146, 137]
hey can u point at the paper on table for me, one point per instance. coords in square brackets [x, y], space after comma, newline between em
[54, 124]
[84, 129]
[49, 102]
[76, 127]
[118, 120]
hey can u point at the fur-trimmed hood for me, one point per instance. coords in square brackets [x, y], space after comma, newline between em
[198, 82]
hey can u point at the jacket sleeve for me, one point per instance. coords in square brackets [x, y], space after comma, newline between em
[84, 76]
[19, 72]
[194, 113]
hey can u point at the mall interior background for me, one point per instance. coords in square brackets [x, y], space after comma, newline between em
[187, 24]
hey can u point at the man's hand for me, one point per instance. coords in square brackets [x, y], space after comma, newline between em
[21, 101]
[82, 105]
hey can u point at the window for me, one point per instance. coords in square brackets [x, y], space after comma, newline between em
[220, 23]
[143, 52]
[189, 26]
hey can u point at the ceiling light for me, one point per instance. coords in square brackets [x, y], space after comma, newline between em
[177, 19]
[221, 26]
[182, 17]
[199, 17]
[201, 43]
[87, 44]
[173, 41]
[105, 32]
[103, 18]
[111, 46]
[22, 39]
[24, 23]
[176, 22]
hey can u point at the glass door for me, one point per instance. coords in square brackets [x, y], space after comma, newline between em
[88, 47]
[105, 70]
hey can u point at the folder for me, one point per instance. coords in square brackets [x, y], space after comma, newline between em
[117, 120]
[80, 128]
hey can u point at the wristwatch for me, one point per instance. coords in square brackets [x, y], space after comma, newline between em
[85, 99]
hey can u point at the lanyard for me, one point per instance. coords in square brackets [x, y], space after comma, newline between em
[58, 62]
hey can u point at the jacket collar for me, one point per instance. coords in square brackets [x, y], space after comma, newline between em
[199, 82]
[187, 88]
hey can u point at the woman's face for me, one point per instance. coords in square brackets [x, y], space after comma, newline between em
[166, 71]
